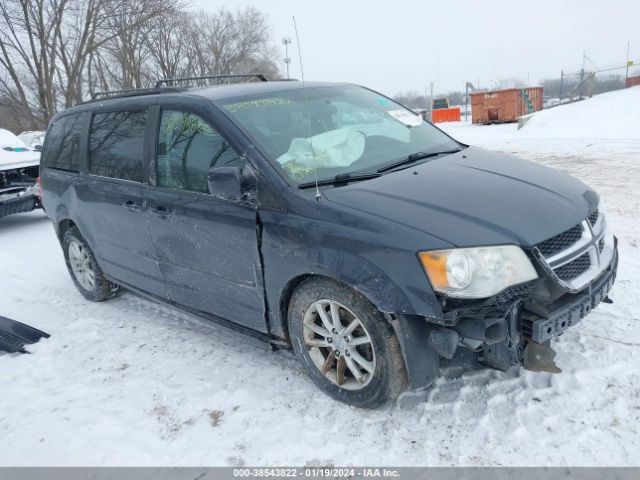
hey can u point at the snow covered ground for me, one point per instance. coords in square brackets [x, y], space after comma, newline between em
[131, 382]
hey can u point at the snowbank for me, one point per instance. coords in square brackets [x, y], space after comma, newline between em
[8, 139]
[604, 126]
[609, 115]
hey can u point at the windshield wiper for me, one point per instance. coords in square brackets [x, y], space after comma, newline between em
[355, 177]
[340, 179]
[414, 157]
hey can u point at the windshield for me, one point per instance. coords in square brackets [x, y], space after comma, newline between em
[338, 130]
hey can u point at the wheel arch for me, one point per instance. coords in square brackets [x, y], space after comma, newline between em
[394, 373]
[293, 284]
[67, 223]
[421, 361]
[63, 225]
[63, 221]
[285, 299]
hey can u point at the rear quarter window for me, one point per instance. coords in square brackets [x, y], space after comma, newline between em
[62, 145]
[116, 144]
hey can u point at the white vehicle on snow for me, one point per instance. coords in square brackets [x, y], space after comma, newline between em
[34, 139]
[19, 167]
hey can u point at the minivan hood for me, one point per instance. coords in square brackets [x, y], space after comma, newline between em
[475, 197]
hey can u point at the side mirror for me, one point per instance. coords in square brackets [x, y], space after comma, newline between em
[225, 182]
[37, 148]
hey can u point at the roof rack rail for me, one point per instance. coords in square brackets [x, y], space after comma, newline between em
[169, 85]
[131, 92]
[200, 81]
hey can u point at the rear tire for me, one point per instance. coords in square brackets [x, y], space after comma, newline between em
[345, 344]
[84, 269]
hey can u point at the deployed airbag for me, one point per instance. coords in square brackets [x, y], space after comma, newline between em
[336, 148]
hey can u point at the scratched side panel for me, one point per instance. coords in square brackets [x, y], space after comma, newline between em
[375, 258]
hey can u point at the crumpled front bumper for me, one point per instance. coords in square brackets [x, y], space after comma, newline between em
[526, 334]
[19, 202]
[17, 205]
[569, 310]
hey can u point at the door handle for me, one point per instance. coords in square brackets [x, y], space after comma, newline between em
[132, 206]
[161, 211]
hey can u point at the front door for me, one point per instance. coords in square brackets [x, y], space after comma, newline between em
[207, 247]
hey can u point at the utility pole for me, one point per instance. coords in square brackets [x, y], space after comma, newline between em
[466, 101]
[426, 95]
[431, 103]
[286, 42]
[561, 82]
[626, 73]
[584, 57]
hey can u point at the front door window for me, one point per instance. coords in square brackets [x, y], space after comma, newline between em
[188, 147]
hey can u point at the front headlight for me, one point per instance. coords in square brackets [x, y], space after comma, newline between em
[477, 272]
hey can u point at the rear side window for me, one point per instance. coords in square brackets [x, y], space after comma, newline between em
[116, 144]
[62, 147]
[188, 147]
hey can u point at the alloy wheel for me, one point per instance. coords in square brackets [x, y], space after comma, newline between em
[339, 344]
[81, 267]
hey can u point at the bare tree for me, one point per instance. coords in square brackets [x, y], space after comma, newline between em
[56, 53]
[28, 52]
[169, 45]
[79, 35]
[227, 42]
[413, 99]
[128, 49]
[219, 43]
[45, 46]
[15, 117]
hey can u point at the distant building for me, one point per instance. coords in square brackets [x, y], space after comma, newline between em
[440, 103]
[505, 105]
[633, 81]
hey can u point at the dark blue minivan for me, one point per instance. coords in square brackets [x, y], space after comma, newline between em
[329, 219]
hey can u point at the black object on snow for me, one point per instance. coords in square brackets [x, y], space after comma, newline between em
[15, 335]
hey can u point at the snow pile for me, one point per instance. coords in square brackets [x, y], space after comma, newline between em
[604, 126]
[33, 138]
[609, 115]
[8, 139]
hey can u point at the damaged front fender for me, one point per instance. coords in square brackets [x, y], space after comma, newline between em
[421, 359]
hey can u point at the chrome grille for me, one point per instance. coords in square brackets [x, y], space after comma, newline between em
[576, 267]
[578, 255]
[560, 242]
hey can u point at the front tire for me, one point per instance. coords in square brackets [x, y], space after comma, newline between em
[345, 344]
[84, 269]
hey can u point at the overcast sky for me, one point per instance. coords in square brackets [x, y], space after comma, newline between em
[400, 45]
